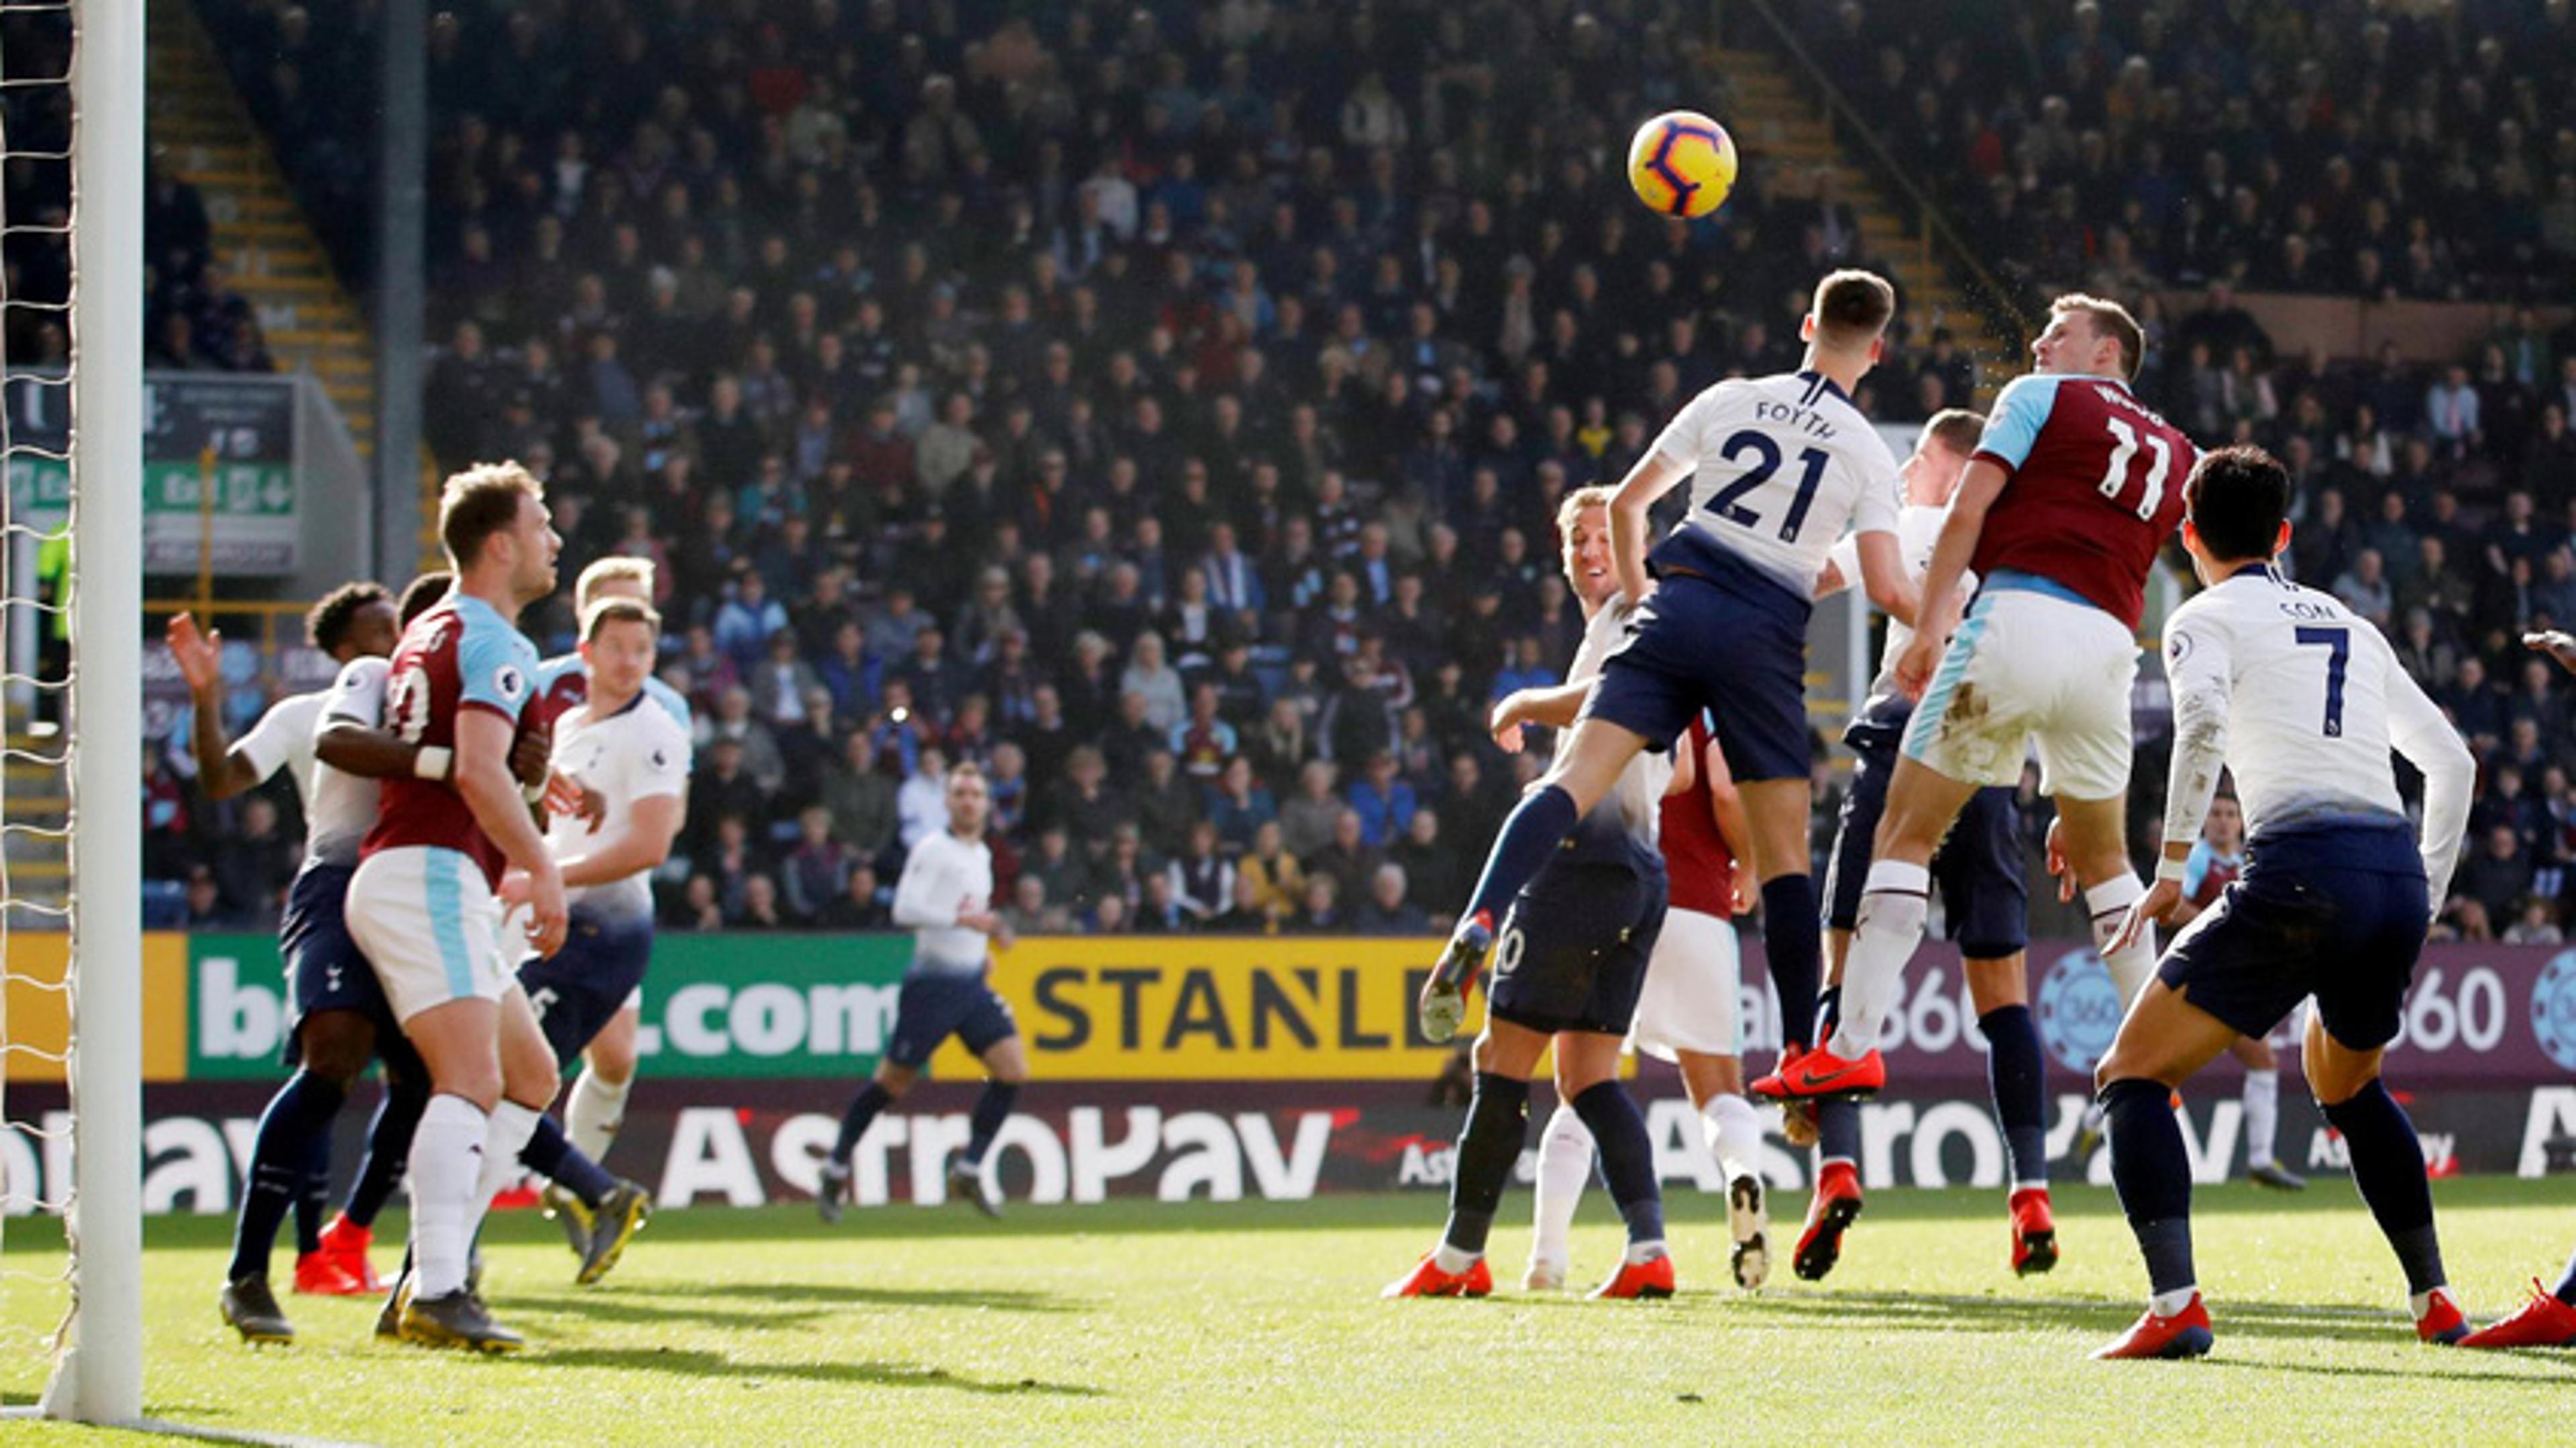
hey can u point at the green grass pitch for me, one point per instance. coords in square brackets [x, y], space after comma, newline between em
[1260, 1323]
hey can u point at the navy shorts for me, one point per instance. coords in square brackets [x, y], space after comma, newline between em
[2338, 913]
[934, 1007]
[1729, 641]
[325, 970]
[1573, 952]
[578, 990]
[1978, 869]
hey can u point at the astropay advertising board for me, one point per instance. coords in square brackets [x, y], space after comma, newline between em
[1232, 1068]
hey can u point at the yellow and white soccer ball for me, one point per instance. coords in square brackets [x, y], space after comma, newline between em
[1682, 164]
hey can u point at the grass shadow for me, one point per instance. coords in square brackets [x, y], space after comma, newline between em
[702, 1364]
[838, 1294]
[1959, 1312]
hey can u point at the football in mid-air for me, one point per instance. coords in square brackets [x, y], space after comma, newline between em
[1682, 164]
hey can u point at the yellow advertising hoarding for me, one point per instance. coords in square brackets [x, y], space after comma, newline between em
[36, 1030]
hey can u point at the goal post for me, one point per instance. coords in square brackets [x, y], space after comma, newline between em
[98, 1377]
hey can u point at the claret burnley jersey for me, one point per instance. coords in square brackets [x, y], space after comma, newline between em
[2095, 488]
[460, 655]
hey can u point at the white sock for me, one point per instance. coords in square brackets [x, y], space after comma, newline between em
[1453, 1261]
[2419, 1303]
[2109, 902]
[512, 1125]
[2262, 1115]
[1893, 902]
[1564, 1165]
[2166, 1304]
[1647, 1251]
[593, 1114]
[446, 1161]
[1734, 1132]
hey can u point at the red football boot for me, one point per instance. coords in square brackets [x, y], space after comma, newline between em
[1829, 1215]
[2544, 1321]
[319, 1274]
[519, 1196]
[2034, 1232]
[1821, 1075]
[2443, 1324]
[1650, 1278]
[346, 1243]
[1427, 1280]
[2186, 1334]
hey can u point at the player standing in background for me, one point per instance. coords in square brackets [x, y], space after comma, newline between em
[2306, 700]
[1984, 900]
[2548, 1317]
[332, 1032]
[1686, 1015]
[596, 1106]
[1569, 971]
[425, 904]
[2074, 487]
[945, 897]
[1779, 466]
[633, 753]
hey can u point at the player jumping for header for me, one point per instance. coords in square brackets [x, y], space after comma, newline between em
[2304, 700]
[1779, 466]
[2073, 488]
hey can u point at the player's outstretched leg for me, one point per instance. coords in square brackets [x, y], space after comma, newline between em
[2017, 1077]
[599, 1213]
[1497, 1122]
[300, 1112]
[594, 1111]
[967, 1179]
[2388, 1168]
[2151, 1170]
[2547, 1319]
[1628, 1167]
[1565, 1156]
[832, 1187]
[2261, 1095]
[1837, 1201]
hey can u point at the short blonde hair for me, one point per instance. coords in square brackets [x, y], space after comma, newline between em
[479, 502]
[616, 568]
[1570, 511]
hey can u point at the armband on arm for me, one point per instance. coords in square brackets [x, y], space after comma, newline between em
[434, 762]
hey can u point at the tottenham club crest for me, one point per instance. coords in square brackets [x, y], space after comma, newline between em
[2553, 1009]
[2079, 1010]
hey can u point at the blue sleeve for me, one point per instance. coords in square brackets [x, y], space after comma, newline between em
[495, 667]
[2021, 410]
[672, 701]
[2195, 871]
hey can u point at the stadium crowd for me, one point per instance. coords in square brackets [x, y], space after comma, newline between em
[1166, 405]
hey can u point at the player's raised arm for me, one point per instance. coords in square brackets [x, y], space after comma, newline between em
[2418, 730]
[1654, 475]
[1957, 545]
[223, 768]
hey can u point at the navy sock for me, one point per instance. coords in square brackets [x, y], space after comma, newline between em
[388, 1147]
[1497, 1123]
[991, 1110]
[872, 1098]
[2151, 1169]
[2388, 1167]
[279, 1157]
[1793, 944]
[550, 1154]
[1542, 818]
[2017, 1076]
[2566, 1290]
[1838, 1131]
[313, 1194]
[1627, 1157]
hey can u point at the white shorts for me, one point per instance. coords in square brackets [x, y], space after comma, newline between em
[1692, 982]
[2031, 667]
[431, 927]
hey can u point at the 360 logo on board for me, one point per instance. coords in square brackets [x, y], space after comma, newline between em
[2553, 1008]
[2079, 1010]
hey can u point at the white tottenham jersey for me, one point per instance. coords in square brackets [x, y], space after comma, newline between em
[1780, 466]
[342, 807]
[1640, 790]
[942, 876]
[638, 753]
[1918, 529]
[2303, 700]
[283, 739]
